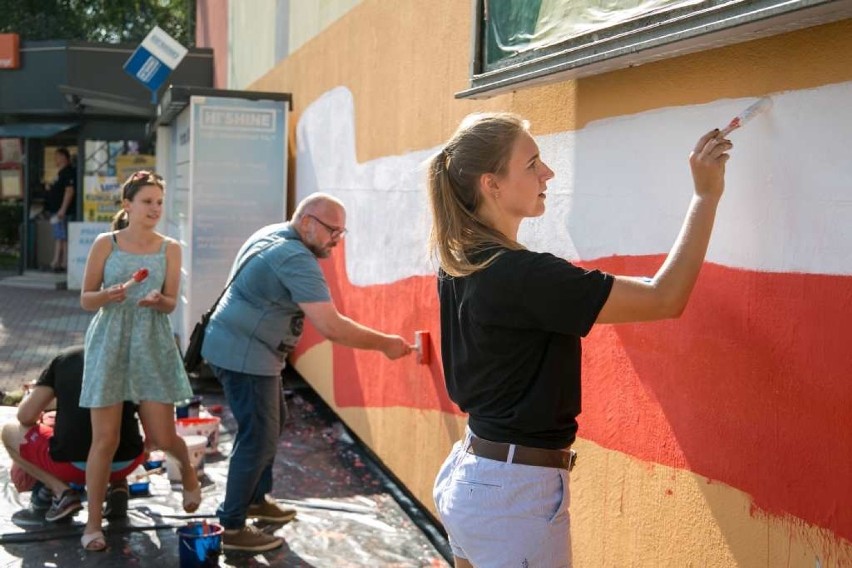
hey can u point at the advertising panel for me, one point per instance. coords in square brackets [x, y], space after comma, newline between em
[80, 239]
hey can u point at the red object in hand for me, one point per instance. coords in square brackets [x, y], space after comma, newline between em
[138, 276]
[422, 346]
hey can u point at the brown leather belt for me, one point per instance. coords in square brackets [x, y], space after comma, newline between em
[524, 455]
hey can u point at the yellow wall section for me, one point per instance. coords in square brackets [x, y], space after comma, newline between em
[404, 61]
[308, 19]
[623, 515]
[624, 512]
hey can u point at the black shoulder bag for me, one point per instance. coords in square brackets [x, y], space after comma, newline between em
[192, 359]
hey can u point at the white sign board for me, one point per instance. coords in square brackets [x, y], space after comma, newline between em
[153, 61]
[80, 239]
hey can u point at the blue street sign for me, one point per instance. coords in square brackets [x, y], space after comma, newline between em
[155, 59]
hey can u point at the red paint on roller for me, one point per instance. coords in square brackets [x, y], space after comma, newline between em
[423, 347]
[137, 277]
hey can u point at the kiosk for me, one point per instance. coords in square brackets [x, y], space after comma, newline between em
[224, 156]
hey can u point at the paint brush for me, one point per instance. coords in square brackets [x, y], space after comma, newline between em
[137, 277]
[762, 105]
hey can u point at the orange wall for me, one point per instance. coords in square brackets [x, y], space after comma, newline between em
[655, 469]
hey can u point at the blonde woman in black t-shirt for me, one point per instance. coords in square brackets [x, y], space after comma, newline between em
[511, 323]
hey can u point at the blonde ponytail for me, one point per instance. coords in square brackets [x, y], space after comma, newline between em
[459, 238]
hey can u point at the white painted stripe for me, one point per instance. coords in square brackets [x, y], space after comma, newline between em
[622, 187]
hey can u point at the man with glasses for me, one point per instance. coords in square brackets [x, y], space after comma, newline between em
[256, 325]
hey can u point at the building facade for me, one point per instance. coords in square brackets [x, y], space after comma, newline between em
[718, 439]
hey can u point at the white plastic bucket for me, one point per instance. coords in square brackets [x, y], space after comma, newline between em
[195, 445]
[207, 426]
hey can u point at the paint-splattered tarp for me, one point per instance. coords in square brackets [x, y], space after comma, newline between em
[347, 513]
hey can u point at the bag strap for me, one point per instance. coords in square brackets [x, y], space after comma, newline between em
[237, 273]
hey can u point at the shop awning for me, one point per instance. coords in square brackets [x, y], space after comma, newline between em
[34, 129]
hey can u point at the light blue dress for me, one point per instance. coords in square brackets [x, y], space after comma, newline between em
[131, 353]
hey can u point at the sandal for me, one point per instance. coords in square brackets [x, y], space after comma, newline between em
[192, 499]
[94, 542]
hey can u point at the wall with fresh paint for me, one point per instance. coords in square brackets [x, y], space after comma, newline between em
[719, 439]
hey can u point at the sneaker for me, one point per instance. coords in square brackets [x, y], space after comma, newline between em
[270, 511]
[40, 498]
[63, 506]
[117, 497]
[250, 539]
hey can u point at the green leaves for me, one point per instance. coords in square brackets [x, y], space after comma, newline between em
[110, 21]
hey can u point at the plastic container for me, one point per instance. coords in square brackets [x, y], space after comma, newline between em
[200, 545]
[156, 459]
[196, 446]
[206, 426]
[141, 487]
[138, 482]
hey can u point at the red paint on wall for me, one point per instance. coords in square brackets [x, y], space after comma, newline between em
[368, 378]
[751, 386]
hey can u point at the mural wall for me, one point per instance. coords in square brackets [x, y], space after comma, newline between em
[719, 439]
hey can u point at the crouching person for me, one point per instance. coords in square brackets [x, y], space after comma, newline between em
[55, 454]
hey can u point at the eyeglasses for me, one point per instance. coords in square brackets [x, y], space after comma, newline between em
[334, 232]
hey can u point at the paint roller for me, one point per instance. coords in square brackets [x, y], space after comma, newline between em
[422, 347]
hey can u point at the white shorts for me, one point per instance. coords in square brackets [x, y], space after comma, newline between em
[504, 514]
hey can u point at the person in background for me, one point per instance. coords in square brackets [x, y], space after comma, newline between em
[511, 324]
[130, 350]
[61, 204]
[255, 326]
[55, 455]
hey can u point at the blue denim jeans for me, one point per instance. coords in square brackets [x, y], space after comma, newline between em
[257, 403]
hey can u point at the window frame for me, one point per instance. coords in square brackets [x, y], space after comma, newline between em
[673, 32]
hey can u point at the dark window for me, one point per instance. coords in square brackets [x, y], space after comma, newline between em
[523, 42]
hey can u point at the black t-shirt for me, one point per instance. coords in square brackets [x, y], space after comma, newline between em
[53, 200]
[510, 343]
[72, 434]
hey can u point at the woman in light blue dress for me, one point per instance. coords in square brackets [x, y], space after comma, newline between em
[130, 350]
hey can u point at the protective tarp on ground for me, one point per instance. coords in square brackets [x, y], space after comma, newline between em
[348, 510]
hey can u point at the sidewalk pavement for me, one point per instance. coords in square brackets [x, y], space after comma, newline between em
[347, 515]
[35, 324]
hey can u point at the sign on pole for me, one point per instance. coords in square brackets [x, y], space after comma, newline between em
[155, 59]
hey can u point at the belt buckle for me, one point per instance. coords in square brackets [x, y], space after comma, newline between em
[571, 460]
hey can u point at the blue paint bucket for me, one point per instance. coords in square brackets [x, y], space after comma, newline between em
[200, 545]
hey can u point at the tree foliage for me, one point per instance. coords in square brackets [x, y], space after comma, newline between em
[110, 21]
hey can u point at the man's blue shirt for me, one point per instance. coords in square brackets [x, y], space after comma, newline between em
[258, 321]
